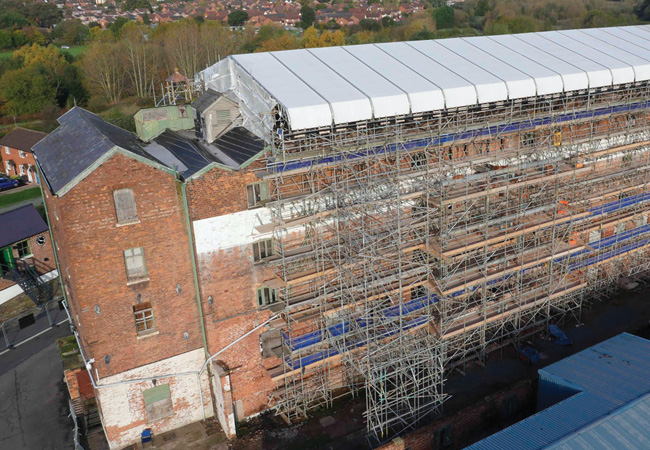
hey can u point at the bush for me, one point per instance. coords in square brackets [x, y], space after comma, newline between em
[118, 118]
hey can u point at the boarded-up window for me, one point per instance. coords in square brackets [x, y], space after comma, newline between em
[125, 206]
[135, 266]
[158, 402]
[144, 322]
[262, 249]
[257, 194]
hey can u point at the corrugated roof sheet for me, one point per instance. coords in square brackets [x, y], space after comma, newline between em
[337, 85]
[614, 382]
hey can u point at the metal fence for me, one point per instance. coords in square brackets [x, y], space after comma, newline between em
[75, 432]
[31, 323]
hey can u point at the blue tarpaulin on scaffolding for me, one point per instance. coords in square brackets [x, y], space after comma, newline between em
[561, 338]
[307, 340]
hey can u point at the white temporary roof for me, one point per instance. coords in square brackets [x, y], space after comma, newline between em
[337, 85]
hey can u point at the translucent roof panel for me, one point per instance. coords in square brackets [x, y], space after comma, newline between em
[626, 51]
[337, 85]
[622, 72]
[387, 99]
[518, 84]
[488, 87]
[545, 80]
[348, 103]
[306, 109]
[423, 95]
[573, 78]
[597, 74]
[457, 90]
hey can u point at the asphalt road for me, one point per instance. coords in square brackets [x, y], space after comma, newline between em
[33, 399]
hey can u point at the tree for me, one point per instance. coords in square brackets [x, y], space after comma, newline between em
[387, 21]
[283, 42]
[217, 41]
[117, 26]
[19, 38]
[130, 5]
[45, 14]
[237, 18]
[308, 16]
[369, 25]
[11, 19]
[444, 17]
[642, 10]
[6, 40]
[311, 39]
[103, 69]
[139, 59]
[25, 91]
[184, 53]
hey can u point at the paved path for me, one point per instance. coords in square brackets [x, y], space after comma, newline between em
[33, 406]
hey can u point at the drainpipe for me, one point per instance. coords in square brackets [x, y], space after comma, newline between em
[49, 228]
[190, 236]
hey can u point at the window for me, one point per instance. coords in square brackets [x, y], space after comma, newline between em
[135, 266]
[23, 249]
[266, 296]
[144, 322]
[418, 160]
[22, 154]
[262, 249]
[419, 292]
[7, 151]
[257, 194]
[442, 437]
[528, 139]
[158, 402]
[125, 208]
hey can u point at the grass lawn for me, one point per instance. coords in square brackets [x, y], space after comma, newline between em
[14, 197]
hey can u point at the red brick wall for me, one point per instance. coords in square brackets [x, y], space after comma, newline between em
[219, 192]
[42, 258]
[91, 246]
[472, 423]
[14, 155]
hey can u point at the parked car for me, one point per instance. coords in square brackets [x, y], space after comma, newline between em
[64, 46]
[8, 183]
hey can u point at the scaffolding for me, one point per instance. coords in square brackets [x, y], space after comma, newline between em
[407, 247]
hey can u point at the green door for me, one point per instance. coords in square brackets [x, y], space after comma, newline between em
[6, 260]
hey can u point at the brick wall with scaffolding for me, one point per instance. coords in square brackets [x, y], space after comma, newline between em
[410, 246]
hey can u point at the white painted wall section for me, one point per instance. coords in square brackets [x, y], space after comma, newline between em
[230, 230]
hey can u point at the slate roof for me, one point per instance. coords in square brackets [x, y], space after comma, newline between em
[81, 139]
[205, 100]
[22, 139]
[20, 224]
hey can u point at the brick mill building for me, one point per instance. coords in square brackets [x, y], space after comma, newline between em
[345, 218]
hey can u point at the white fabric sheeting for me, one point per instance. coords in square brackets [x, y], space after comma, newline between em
[338, 85]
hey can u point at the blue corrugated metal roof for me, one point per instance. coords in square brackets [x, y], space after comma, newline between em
[613, 384]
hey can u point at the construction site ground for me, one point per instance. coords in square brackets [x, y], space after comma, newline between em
[342, 427]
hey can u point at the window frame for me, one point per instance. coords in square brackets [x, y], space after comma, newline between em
[139, 277]
[19, 249]
[263, 194]
[269, 246]
[143, 314]
[264, 294]
[119, 208]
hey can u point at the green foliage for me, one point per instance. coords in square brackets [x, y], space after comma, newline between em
[19, 38]
[130, 5]
[120, 119]
[444, 17]
[6, 39]
[116, 26]
[642, 10]
[387, 21]
[45, 14]
[13, 19]
[308, 16]
[482, 8]
[25, 91]
[369, 25]
[237, 18]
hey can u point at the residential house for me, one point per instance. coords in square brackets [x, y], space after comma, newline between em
[16, 154]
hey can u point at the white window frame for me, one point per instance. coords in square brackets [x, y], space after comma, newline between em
[131, 255]
[145, 322]
[22, 154]
[7, 151]
[263, 250]
[257, 194]
[266, 296]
